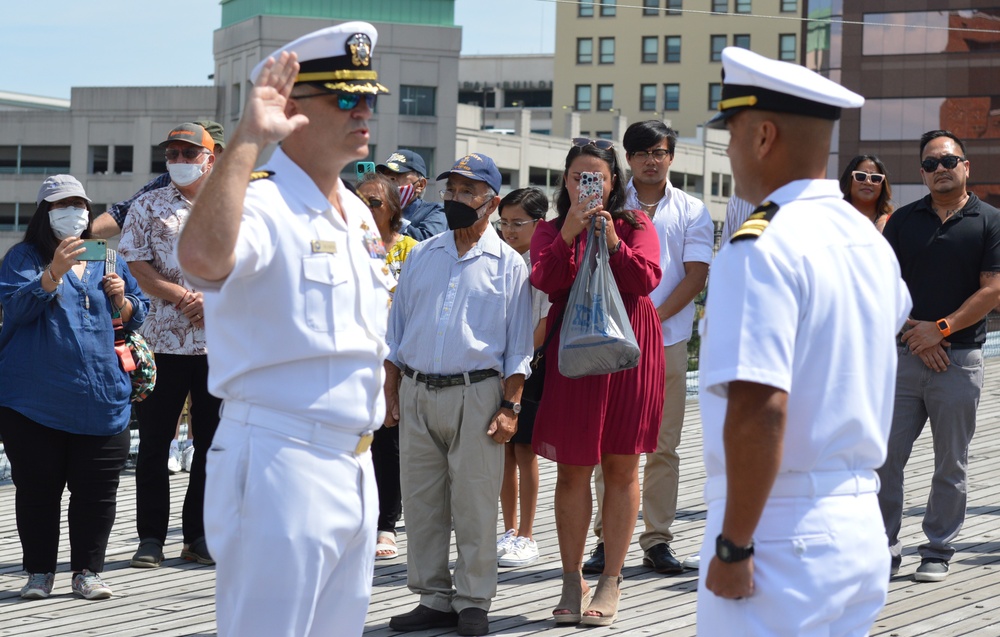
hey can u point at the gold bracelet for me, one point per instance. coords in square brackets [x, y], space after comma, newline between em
[52, 278]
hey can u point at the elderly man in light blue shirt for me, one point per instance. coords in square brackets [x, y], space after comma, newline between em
[459, 346]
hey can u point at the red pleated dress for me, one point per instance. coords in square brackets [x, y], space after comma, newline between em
[580, 419]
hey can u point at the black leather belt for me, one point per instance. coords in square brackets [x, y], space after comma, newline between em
[440, 380]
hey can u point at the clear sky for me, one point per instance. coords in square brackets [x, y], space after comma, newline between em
[49, 46]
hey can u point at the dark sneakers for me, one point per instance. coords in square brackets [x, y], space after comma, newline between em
[473, 621]
[660, 558]
[894, 564]
[197, 551]
[931, 570]
[149, 555]
[423, 617]
[595, 565]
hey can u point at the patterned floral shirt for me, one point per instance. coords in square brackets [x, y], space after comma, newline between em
[150, 233]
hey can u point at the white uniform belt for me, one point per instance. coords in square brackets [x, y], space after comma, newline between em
[807, 485]
[294, 427]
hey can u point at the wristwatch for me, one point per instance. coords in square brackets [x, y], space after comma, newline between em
[514, 407]
[944, 327]
[729, 553]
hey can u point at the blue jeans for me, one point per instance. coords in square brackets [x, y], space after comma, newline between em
[950, 399]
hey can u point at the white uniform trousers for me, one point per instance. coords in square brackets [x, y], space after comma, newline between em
[291, 523]
[821, 569]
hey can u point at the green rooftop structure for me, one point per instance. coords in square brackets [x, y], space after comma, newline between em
[439, 13]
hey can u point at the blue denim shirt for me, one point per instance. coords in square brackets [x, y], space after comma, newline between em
[426, 219]
[58, 366]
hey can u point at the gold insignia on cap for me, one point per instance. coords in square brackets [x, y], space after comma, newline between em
[756, 223]
[397, 157]
[359, 46]
[743, 100]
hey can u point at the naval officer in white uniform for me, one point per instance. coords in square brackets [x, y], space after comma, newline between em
[797, 374]
[296, 308]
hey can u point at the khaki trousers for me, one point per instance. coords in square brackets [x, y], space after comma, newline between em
[662, 471]
[450, 473]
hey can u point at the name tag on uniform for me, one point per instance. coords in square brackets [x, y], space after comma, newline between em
[325, 247]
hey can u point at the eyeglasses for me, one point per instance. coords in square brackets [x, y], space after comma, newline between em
[861, 177]
[461, 197]
[603, 144]
[189, 153]
[948, 161]
[658, 155]
[373, 202]
[345, 101]
[515, 225]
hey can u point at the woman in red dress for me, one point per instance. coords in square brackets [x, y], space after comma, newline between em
[608, 419]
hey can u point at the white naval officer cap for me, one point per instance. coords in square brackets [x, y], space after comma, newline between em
[750, 80]
[335, 59]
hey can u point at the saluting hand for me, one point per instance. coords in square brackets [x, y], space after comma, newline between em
[264, 118]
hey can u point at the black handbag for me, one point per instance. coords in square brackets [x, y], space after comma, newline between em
[532, 392]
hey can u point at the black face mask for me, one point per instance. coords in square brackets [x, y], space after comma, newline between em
[460, 215]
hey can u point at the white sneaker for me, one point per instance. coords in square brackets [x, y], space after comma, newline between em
[692, 562]
[524, 552]
[174, 458]
[187, 457]
[506, 543]
[89, 585]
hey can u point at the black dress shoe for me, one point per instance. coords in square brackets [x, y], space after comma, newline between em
[423, 617]
[595, 565]
[473, 621]
[660, 558]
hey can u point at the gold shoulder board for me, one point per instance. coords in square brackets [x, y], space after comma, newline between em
[756, 223]
[260, 174]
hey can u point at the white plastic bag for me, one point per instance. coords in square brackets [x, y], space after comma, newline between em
[596, 335]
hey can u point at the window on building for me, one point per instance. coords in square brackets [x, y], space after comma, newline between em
[44, 160]
[742, 6]
[584, 50]
[650, 7]
[742, 40]
[8, 160]
[671, 97]
[585, 9]
[647, 97]
[786, 47]
[527, 98]
[416, 100]
[714, 95]
[789, 6]
[157, 162]
[604, 134]
[8, 217]
[609, 8]
[483, 98]
[234, 101]
[722, 185]
[672, 49]
[720, 6]
[718, 42]
[123, 160]
[650, 50]
[674, 7]
[97, 160]
[605, 97]
[583, 97]
[607, 50]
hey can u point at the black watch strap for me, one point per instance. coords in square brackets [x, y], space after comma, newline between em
[730, 553]
[514, 407]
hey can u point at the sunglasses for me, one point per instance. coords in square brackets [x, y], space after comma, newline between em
[373, 202]
[189, 153]
[948, 161]
[346, 101]
[861, 177]
[603, 144]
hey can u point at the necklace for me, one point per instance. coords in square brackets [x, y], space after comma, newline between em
[650, 205]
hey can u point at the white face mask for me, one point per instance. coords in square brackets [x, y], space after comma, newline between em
[185, 174]
[68, 222]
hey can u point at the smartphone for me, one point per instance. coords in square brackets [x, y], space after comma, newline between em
[362, 168]
[94, 250]
[591, 183]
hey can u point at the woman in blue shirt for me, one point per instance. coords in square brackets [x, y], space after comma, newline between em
[64, 396]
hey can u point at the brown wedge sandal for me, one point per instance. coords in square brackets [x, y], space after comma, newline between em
[605, 602]
[572, 599]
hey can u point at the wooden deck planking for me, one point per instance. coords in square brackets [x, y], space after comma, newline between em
[176, 600]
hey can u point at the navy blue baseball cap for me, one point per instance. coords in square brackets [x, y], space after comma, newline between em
[477, 167]
[403, 161]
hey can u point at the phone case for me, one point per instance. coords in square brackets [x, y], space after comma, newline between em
[591, 183]
[95, 250]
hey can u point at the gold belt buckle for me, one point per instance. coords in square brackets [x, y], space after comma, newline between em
[364, 444]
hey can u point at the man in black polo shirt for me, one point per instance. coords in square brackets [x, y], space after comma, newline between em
[948, 246]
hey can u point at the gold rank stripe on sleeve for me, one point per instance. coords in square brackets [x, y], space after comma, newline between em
[756, 223]
[261, 174]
